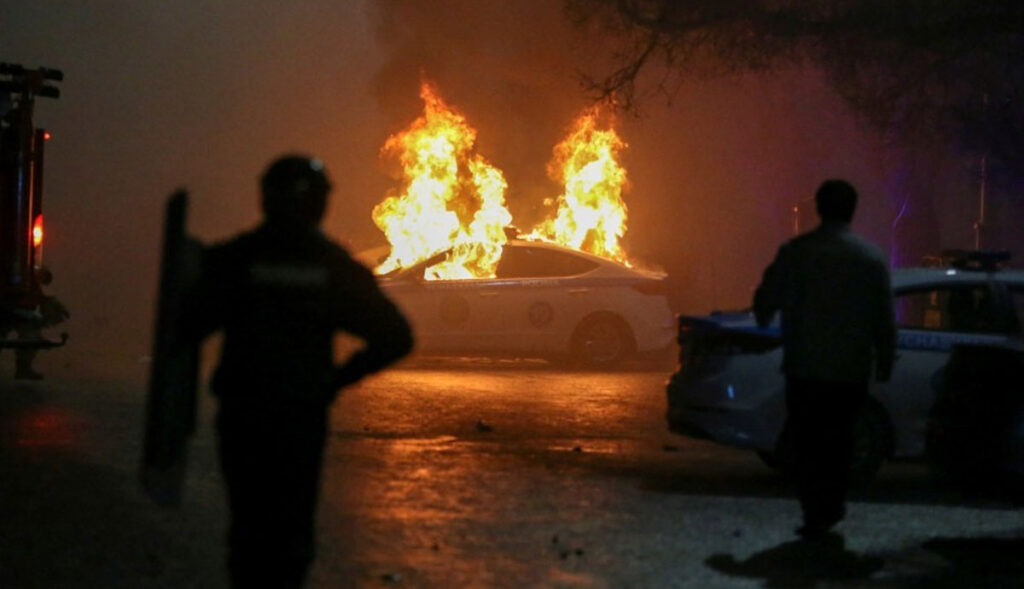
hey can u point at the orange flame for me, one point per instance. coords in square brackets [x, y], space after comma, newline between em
[590, 214]
[451, 197]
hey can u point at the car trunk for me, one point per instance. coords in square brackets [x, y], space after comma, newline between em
[707, 343]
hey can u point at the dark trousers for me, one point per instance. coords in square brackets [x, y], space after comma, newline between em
[821, 422]
[271, 461]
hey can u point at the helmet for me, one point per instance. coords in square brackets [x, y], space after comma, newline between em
[295, 189]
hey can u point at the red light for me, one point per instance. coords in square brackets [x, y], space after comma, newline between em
[37, 231]
[46, 135]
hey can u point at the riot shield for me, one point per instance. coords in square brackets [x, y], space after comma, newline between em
[174, 371]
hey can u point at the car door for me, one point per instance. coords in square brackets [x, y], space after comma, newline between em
[931, 320]
[465, 314]
[542, 297]
[451, 315]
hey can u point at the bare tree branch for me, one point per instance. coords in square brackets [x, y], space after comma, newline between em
[910, 67]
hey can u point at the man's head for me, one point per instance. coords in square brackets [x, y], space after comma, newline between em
[836, 201]
[295, 189]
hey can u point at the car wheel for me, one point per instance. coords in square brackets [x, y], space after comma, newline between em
[872, 446]
[603, 340]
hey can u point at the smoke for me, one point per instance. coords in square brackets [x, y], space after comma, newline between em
[203, 94]
[510, 68]
[714, 175]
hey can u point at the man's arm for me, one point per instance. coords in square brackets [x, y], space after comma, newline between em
[768, 296]
[885, 330]
[378, 322]
[206, 296]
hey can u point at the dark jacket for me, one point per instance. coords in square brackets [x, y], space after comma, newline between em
[280, 296]
[833, 290]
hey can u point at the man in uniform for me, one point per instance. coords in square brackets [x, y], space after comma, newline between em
[833, 290]
[280, 293]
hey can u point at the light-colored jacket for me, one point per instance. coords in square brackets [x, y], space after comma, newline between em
[833, 290]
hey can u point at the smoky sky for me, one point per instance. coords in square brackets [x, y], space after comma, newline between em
[203, 93]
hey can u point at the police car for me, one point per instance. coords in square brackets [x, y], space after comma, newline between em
[545, 301]
[729, 387]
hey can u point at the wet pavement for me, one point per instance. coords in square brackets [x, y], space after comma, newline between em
[479, 474]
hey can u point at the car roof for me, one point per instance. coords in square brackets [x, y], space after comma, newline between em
[910, 277]
[605, 263]
[558, 248]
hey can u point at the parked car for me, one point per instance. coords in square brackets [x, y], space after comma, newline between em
[729, 387]
[975, 435]
[545, 301]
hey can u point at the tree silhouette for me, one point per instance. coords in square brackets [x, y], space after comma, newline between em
[919, 70]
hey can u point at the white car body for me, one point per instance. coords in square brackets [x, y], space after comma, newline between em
[543, 298]
[740, 399]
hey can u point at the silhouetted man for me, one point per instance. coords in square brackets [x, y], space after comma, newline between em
[832, 288]
[280, 293]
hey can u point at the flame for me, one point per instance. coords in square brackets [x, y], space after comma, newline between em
[451, 197]
[590, 214]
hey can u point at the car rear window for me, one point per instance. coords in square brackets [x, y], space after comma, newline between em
[535, 262]
[967, 309]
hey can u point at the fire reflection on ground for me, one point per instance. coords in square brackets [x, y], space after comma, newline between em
[43, 427]
[418, 493]
[428, 466]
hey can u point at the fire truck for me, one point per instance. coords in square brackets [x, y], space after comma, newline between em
[23, 306]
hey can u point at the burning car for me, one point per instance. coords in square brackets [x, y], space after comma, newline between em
[470, 284]
[544, 301]
[728, 387]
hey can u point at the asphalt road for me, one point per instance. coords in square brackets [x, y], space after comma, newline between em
[479, 474]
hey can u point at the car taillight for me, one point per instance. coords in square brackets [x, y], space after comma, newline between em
[652, 287]
[37, 231]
